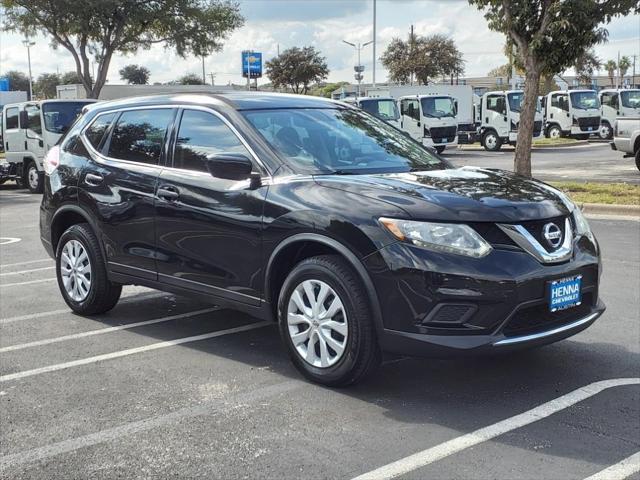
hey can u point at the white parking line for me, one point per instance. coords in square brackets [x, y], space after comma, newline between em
[209, 408]
[100, 331]
[131, 351]
[42, 280]
[20, 272]
[26, 263]
[619, 471]
[433, 454]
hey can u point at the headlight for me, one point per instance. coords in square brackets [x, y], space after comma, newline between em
[442, 237]
[582, 226]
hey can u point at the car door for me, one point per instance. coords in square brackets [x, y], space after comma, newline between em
[13, 135]
[118, 184]
[35, 145]
[496, 114]
[560, 110]
[410, 118]
[209, 228]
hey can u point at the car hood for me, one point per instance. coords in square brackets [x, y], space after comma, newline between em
[463, 194]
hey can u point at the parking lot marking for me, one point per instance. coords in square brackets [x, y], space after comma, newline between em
[20, 272]
[131, 351]
[100, 331]
[9, 240]
[27, 283]
[433, 454]
[209, 408]
[29, 262]
[619, 471]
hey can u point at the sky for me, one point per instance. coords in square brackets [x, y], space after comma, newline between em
[273, 24]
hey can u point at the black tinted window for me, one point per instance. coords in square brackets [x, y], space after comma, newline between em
[202, 134]
[12, 118]
[139, 135]
[98, 128]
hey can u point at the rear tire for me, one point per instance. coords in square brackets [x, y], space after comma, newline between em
[82, 273]
[350, 352]
[491, 141]
[638, 159]
[33, 179]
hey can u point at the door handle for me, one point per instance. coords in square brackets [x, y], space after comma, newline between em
[168, 193]
[93, 179]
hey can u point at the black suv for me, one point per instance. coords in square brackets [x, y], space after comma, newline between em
[321, 217]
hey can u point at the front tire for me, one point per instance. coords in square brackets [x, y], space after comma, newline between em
[440, 148]
[34, 180]
[82, 274]
[638, 159]
[554, 132]
[326, 322]
[491, 141]
[606, 132]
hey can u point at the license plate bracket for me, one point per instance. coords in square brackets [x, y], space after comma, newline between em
[564, 293]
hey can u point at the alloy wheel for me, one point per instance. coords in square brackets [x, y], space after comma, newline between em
[33, 177]
[491, 141]
[75, 268]
[317, 323]
[554, 132]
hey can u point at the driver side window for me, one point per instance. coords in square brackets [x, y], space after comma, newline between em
[411, 108]
[496, 103]
[33, 119]
[560, 101]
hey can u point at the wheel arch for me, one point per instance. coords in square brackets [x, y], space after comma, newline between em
[298, 247]
[67, 216]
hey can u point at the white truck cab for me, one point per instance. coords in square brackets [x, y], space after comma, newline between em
[430, 119]
[614, 103]
[572, 113]
[500, 118]
[385, 108]
[30, 129]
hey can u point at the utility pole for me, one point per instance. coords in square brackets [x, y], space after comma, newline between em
[28, 43]
[513, 67]
[213, 76]
[373, 65]
[411, 54]
[633, 77]
[204, 76]
[618, 77]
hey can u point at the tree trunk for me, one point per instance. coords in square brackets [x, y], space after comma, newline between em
[522, 160]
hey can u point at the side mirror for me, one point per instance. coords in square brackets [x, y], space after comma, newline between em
[229, 166]
[24, 119]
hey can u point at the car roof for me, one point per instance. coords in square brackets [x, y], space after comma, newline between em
[236, 100]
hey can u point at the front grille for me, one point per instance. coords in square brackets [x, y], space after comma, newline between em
[445, 133]
[492, 234]
[539, 319]
[535, 228]
[537, 128]
[585, 122]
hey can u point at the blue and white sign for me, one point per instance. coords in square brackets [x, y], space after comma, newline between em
[251, 64]
[4, 84]
[565, 293]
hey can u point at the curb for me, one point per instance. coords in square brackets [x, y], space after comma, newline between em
[509, 148]
[605, 209]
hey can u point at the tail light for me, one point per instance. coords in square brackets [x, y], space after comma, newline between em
[52, 160]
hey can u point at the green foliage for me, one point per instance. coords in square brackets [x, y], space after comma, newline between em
[624, 64]
[189, 79]
[17, 81]
[611, 66]
[45, 85]
[96, 29]
[135, 74]
[422, 58]
[71, 78]
[325, 90]
[586, 65]
[297, 68]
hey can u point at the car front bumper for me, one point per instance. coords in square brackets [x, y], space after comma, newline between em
[436, 304]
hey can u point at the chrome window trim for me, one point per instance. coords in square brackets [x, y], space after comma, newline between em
[105, 159]
[528, 243]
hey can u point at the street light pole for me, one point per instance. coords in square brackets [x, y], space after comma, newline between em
[358, 68]
[373, 66]
[28, 43]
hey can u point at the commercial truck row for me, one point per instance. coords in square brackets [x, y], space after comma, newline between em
[438, 116]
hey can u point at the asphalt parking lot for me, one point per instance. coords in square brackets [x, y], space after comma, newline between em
[593, 162]
[166, 387]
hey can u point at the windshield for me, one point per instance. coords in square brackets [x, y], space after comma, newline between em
[438, 107]
[384, 109]
[516, 99]
[630, 98]
[340, 141]
[58, 116]
[584, 100]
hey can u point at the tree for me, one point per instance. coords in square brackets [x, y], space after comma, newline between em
[45, 85]
[297, 68]
[17, 81]
[422, 58]
[135, 74]
[611, 66]
[549, 35]
[585, 65]
[189, 79]
[501, 71]
[96, 29]
[623, 66]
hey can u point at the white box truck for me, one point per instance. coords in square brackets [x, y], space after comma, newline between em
[430, 119]
[385, 108]
[572, 113]
[614, 103]
[30, 129]
[462, 95]
[499, 114]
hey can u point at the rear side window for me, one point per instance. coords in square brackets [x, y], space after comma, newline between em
[95, 132]
[139, 135]
[33, 119]
[12, 118]
[202, 134]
